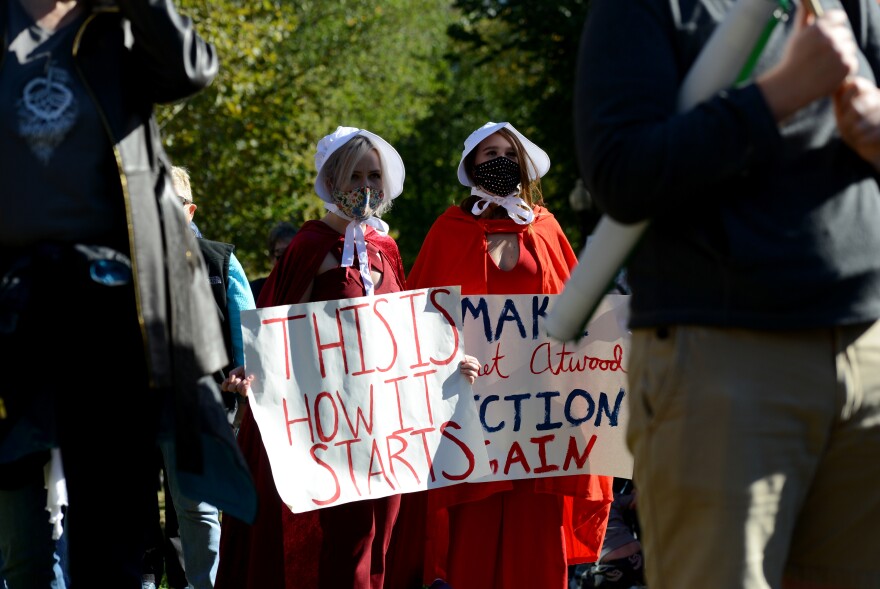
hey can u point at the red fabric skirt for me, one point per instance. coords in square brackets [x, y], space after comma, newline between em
[331, 548]
[477, 533]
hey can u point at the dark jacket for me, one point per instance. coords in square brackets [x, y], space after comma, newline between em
[753, 224]
[132, 54]
[217, 255]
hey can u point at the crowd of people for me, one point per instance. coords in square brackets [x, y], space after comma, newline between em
[754, 371]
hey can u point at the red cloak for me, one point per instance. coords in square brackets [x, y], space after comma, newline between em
[281, 549]
[455, 252]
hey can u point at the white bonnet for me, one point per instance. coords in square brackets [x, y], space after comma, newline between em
[393, 164]
[539, 156]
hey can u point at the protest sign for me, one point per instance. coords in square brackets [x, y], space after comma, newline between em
[362, 398]
[549, 408]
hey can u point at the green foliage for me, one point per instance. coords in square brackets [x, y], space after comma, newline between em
[532, 47]
[423, 75]
[291, 72]
[508, 61]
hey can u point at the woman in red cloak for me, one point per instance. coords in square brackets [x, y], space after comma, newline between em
[522, 533]
[343, 546]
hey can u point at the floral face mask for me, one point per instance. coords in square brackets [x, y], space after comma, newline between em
[359, 204]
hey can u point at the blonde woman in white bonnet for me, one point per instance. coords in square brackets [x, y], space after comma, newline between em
[502, 240]
[347, 253]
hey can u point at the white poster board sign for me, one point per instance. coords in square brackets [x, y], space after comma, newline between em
[362, 398]
[549, 408]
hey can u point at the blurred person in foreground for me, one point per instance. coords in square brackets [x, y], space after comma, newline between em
[97, 277]
[755, 365]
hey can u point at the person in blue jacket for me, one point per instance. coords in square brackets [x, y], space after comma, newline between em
[192, 528]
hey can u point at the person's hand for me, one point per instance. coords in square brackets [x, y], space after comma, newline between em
[857, 110]
[820, 54]
[629, 501]
[237, 382]
[469, 368]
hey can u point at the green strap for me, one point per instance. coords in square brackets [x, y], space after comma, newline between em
[752, 60]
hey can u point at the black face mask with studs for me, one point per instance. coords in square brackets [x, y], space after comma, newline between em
[499, 176]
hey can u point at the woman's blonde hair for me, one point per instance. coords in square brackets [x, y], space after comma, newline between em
[339, 166]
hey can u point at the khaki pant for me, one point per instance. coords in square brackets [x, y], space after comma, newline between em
[757, 456]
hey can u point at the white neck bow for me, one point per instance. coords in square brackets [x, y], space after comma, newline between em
[354, 240]
[517, 208]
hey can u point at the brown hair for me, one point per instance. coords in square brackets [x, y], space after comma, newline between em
[281, 230]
